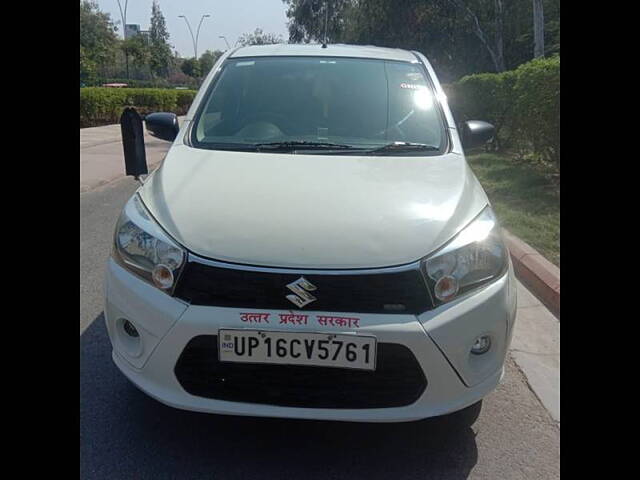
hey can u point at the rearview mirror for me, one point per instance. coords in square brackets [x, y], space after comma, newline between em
[163, 125]
[476, 133]
[135, 159]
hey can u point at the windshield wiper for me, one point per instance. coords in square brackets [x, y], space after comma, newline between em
[302, 145]
[403, 147]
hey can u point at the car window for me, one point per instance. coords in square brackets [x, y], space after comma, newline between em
[357, 102]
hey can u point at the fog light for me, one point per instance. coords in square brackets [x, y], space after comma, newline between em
[481, 345]
[162, 276]
[129, 329]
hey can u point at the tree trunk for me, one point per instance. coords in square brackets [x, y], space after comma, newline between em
[495, 50]
[538, 29]
[500, 67]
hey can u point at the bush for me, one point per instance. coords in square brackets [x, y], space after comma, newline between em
[177, 79]
[537, 107]
[523, 105]
[157, 83]
[184, 99]
[102, 106]
[488, 97]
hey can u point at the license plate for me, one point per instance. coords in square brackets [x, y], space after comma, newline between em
[294, 348]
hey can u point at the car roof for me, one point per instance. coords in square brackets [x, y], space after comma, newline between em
[332, 50]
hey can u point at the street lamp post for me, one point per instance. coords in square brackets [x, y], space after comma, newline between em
[194, 39]
[123, 15]
[225, 41]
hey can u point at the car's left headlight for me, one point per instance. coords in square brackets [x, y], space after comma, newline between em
[142, 247]
[474, 257]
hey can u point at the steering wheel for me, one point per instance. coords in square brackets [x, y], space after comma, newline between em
[280, 121]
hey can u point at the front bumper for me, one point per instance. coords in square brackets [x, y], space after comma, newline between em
[439, 339]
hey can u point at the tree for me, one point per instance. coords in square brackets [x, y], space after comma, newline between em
[435, 27]
[159, 42]
[123, 17]
[307, 19]
[87, 68]
[137, 48]
[181, 78]
[459, 37]
[258, 37]
[207, 60]
[97, 40]
[191, 67]
[493, 46]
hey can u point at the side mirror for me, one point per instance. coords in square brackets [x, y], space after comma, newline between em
[476, 133]
[163, 125]
[135, 159]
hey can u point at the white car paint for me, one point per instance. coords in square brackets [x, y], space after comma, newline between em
[314, 212]
[166, 325]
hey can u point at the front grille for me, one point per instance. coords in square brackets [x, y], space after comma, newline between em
[381, 292]
[397, 381]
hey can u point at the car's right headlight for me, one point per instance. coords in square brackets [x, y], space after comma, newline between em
[143, 248]
[475, 256]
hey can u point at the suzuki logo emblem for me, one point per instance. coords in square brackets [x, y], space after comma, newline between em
[301, 287]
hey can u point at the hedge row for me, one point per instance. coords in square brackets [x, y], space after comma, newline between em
[155, 83]
[102, 106]
[523, 104]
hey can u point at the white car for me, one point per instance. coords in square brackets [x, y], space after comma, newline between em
[314, 245]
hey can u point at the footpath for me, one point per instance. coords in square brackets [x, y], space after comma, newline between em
[101, 158]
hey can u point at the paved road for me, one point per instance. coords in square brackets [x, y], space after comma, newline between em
[99, 210]
[101, 159]
[125, 434]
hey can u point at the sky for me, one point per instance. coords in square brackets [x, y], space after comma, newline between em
[230, 18]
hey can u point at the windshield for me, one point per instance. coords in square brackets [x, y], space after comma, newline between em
[310, 102]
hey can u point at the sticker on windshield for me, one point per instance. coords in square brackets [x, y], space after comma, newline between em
[245, 64]
[323, 133]
[412, 86]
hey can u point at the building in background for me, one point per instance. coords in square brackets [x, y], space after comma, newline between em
[131, 30]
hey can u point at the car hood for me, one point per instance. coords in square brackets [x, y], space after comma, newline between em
[311, 211]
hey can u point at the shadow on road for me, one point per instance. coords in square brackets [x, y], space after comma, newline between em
[125, 434]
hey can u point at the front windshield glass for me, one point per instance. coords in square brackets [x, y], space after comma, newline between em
[357, 103]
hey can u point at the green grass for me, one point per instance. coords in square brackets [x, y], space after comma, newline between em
[525, 197]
